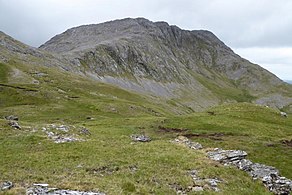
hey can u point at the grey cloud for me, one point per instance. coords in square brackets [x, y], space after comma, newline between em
[239, 23]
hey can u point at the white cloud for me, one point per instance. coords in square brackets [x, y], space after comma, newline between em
[276, 60]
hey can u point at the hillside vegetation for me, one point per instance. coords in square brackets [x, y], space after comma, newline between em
[107, 160]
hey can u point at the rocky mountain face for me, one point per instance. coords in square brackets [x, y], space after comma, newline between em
[192, 68]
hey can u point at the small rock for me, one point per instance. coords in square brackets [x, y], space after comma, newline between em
[7, 185]
[41, 184]
[63, 128]
[197, 189]
[113, 109]
[244, 165]
[133, 168]
[11, 118]
[14, 124]
[60, 139]
[85, 131]
[140, 138]
[283, 114]
[213, 182]
[50, 134]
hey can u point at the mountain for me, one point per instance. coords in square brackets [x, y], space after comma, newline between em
[193, 68]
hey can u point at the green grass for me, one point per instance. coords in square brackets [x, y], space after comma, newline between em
[28, 156]
[4, 70]
[227, 92]
[247, 127]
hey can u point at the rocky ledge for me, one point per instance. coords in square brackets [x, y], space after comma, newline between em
[267, 174]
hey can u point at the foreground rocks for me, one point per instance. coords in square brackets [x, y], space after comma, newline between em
[43, 189]
[267, 174]
[7, 185]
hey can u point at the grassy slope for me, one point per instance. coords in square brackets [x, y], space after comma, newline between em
[28, 157]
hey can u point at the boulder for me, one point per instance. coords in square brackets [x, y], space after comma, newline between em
[140, 138]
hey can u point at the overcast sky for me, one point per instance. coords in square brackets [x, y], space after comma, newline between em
[258, 30]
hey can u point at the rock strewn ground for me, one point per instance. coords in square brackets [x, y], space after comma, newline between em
[267, 174]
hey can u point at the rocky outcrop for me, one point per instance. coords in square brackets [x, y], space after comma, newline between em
[267, 174]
